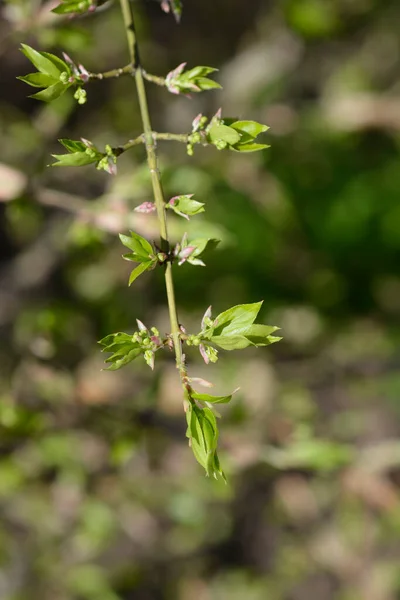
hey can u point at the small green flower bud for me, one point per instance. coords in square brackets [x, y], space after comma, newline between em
[196, 341]
[146, 341]
[90, 152]
[64, 77]
[189, 150]
[220, 144]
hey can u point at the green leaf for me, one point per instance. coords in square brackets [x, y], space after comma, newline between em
[207, 84]
[199, 71]
[252, 128]
[137, 244]
[42, 62]
[203, 434]
[184, 205]
[57, 62]
[124, 360]
[201, 244]
[77, 6]
[144, 266]
[228, 342]
[73, 145]
[123, 350]
[236, 320]
[115, 338]
[211, 399]
[38, 80]
[260, 335]
[249, 147]
[223, 133]
[51, 93]
[77, 159]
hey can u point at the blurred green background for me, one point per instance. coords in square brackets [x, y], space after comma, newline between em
[100, 497]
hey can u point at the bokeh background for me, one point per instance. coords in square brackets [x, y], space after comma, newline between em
[100, 497]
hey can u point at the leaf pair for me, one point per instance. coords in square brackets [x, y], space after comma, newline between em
[234, 329]
[236, 135]
[142, 252]
[180, 81]
[53, 74]
[202, 431]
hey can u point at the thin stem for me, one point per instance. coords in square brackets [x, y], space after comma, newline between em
[153, 78]
[127, 70]
[172, 137]
[150, 142]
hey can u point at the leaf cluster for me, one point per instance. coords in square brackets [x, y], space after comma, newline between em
[202, 431]
[53, 74]
[234, 329]
[195, 80]
[83, 152]
[142, 252]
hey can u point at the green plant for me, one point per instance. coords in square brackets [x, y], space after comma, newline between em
[234, 328]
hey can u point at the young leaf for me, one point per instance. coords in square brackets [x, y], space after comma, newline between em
[200, 245]
[51, 93]
[223, 133]
[234, 342]
[144, 266]
[76, 159]
[73, 145]
[236, 320]
[203, 434]
[38, 80]
[43, 63]
[211, 399]
[185, 206]
[249, 147]
[250, 128]
[115, 338]
[260, 335]
[137, 244]
[119, 361]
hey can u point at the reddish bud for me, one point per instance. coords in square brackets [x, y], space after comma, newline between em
[204, 354]
[185, 253]
[196, 122]
[202, 382]
[141, 326]
[207, 315]
[146, 207]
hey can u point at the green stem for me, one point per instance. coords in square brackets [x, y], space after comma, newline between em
[127, 13]
[171, 137]
[127, 70]
[153, 78]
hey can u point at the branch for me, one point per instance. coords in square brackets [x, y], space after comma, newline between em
[158, 193]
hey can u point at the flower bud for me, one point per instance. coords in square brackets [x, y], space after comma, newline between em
[141, 326]
[146, 207]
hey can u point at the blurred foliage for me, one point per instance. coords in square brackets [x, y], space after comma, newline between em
[99, 495]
